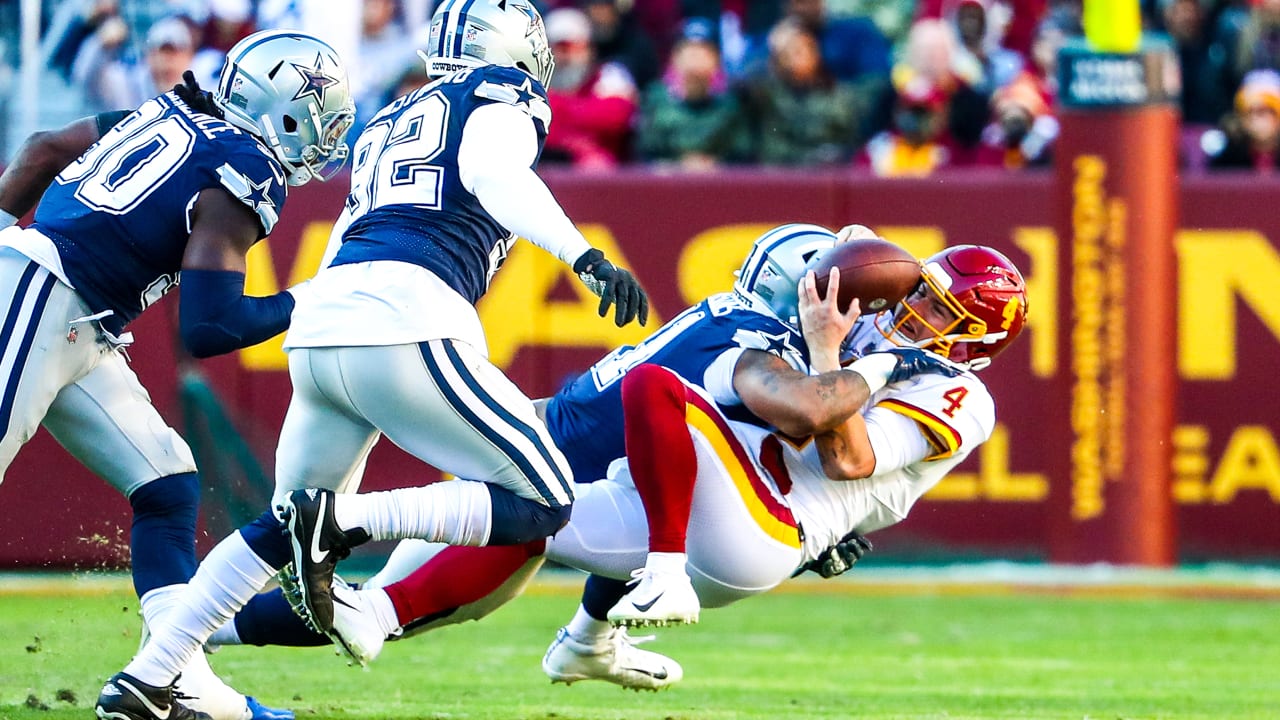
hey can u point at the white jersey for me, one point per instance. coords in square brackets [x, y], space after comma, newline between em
[920, 429]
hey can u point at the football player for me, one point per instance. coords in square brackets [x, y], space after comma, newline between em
[754, 488]
[745, 348]
[172, 189]
[387, 339]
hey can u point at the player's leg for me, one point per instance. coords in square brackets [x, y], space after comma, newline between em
[607, 537]
[38, 357]
[106, 420]
[664, 468]
[318, 439]
[444, 403]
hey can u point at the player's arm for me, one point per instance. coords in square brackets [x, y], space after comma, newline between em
[41, 157]
[214, 315]
[495, 163]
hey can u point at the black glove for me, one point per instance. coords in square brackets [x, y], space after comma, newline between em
[198, 100]
[914, 361]
[615, 286]
[838, 558]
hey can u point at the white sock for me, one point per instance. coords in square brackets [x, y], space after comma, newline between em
[224, 582]
[457, 512]
[670, 563]
[587, 629]
[225, 635]
[383, 611]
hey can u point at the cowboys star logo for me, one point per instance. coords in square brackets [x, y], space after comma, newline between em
[314, 80]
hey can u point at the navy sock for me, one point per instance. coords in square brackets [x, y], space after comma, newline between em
[162, 541]
[518, 520]
[600, 594]
[265, 536]
[268, 620]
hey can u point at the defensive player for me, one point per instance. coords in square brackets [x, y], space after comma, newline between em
[744, 347]
[166, 191]
[755, 489]
[387, 339]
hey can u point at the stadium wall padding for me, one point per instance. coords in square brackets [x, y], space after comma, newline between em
[683, 235]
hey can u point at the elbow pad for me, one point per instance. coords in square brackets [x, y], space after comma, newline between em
[216, 317]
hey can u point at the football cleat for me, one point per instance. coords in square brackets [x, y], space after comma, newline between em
[614, 658]
[124, 697]
[659, 598]
[318, 544]
[356, 631]
[258, 711]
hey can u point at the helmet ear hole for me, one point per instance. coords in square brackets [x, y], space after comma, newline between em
[290, 125]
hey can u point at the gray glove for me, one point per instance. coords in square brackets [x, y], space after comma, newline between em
[837, 559]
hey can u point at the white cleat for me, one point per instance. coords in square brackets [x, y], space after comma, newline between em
[659, 598]
[614, 659]
[356, 632]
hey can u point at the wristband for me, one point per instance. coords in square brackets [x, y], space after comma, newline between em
[874, 369]
[6, 219]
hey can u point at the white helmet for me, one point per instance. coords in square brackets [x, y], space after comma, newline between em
[290, 90]
[771, 274]
[471, 33]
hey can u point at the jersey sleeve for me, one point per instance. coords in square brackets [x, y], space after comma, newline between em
[954, 414]
[255, 180]
[749, 331]
[511, 86]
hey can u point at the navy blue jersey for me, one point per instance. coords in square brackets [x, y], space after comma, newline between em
[407, 200]
[120, 214]
[585, 418]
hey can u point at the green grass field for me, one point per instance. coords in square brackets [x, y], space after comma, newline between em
[819, 650]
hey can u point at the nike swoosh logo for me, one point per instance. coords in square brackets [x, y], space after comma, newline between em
[660, 675]
[644, 607]
[162, 714]
[317, 555]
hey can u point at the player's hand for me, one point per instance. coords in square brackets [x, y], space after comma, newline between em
[189, 92]
[837, 559]
[823, 324]
[914, 361]
[614, 286]
[855, 232]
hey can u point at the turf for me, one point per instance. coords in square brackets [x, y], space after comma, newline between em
[815, 654]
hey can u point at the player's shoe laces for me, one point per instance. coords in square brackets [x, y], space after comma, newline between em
[614, 658]
[659, 598]
[356, 631]
[124, 697]
[318, 544]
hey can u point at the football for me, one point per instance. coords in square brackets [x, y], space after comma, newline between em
[877, 272]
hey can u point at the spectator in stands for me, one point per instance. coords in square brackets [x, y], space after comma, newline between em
[690, 118]
[114, 79]
[101, 65]
[1259, 43]
[917, 144]
[853, 48]
[980, 39]
[617, 37]
[744, 28]
[932, 59]
[1022, 129]
[801, 115]
[1250, 138]
[1203, 61]
[227, 23]
[592, 103]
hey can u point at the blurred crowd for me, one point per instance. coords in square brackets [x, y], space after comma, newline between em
[902, 87]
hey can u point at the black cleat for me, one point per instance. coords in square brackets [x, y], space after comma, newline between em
[318, 544]
[124, 697]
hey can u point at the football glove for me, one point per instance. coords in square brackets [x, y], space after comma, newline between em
[614, 286]
[914, 361]
[837, 559]
[201, 101]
